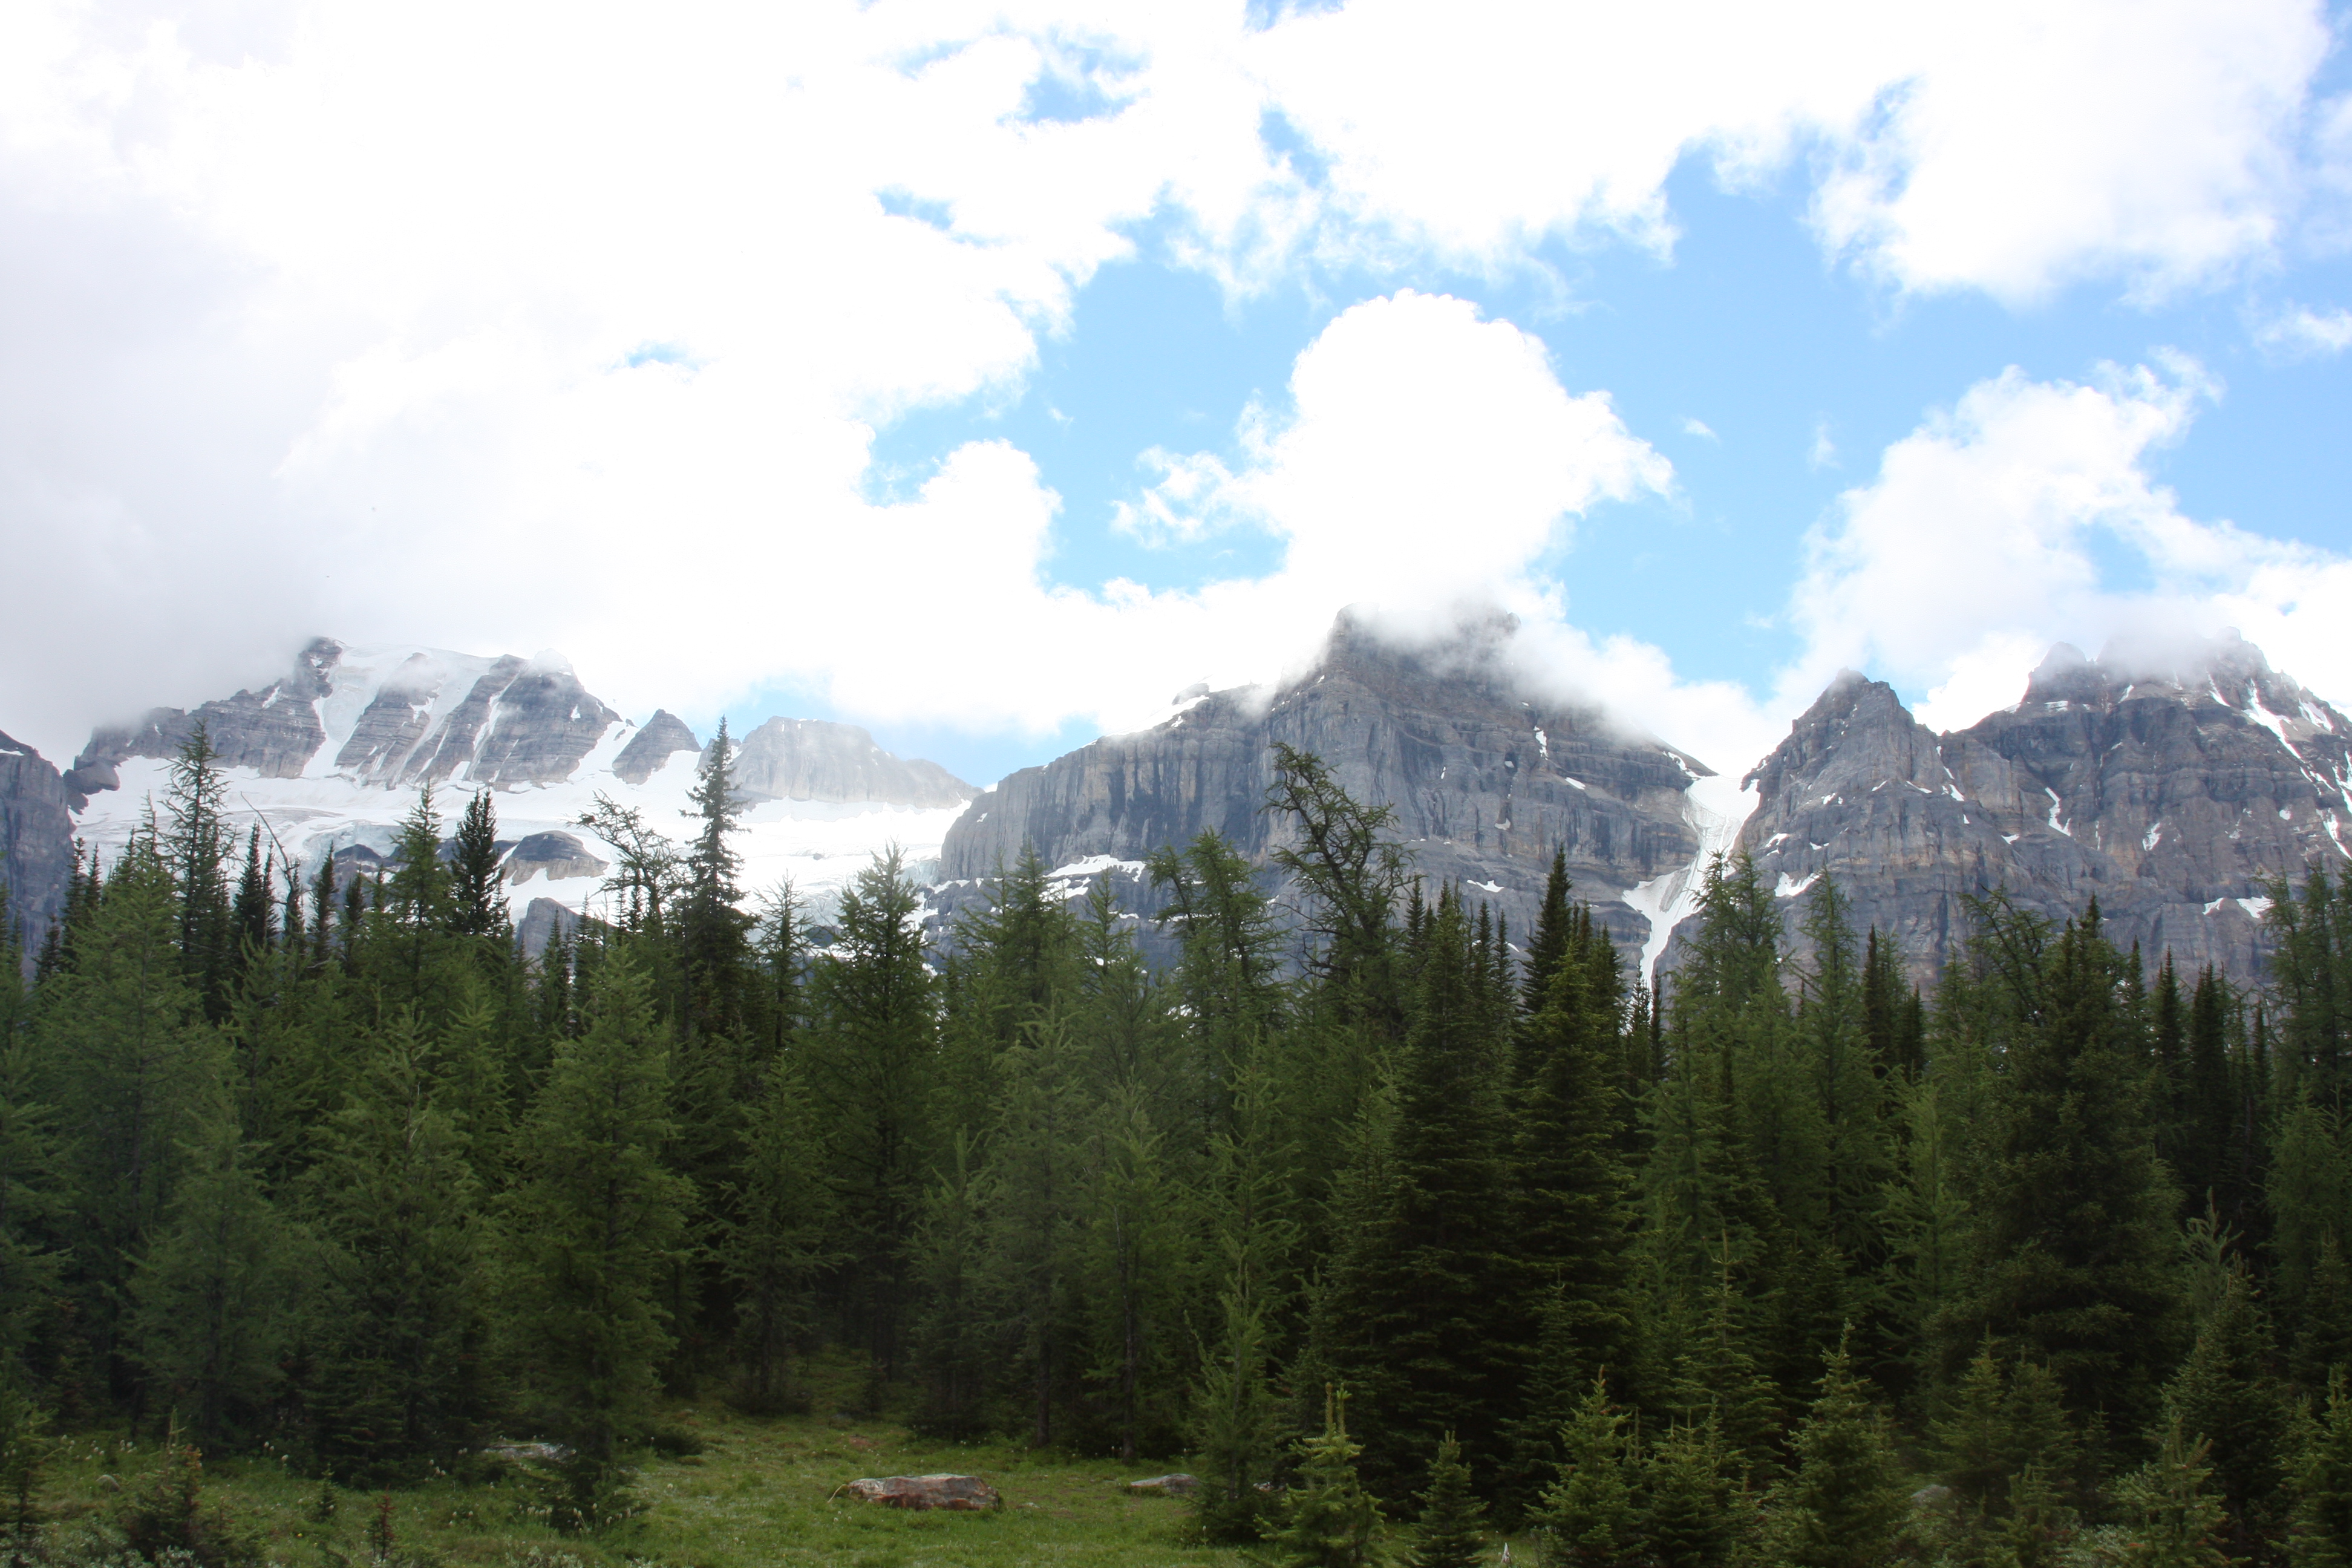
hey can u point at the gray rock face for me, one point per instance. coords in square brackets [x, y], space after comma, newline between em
[815, 759]
[274, 731]
[2173, 795]
[519, 722]
[1484, 781]
[36, 836]
[664, 736]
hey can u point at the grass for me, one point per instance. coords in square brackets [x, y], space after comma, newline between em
[758, 1495]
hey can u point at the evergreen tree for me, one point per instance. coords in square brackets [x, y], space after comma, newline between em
[1352, 874]
[774, 1245]
[1449, 1535]
[2074, 1246]
[218, 1291]
[1328, 1520]
[715, 932]
[1590, 1513]
[399, 1389]
[2224, 1394]
[873, 1033]
[1845, 1504]
[195, 852]
[477, 881]
[1420, 1308]
[1690, 1516]
[2320, 1532]
[594, 1231]
[2175, 1519]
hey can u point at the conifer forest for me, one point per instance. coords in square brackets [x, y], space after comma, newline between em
[1401, 1231]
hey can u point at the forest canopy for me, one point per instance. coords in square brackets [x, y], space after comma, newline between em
[1374, 1200]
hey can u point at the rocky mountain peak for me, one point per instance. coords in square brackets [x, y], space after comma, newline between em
[2175, 784]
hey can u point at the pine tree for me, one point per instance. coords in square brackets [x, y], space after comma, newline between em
[126, 1060]
[1845, 1504]
[595, 1229]
[195, 851]
[1449, 1534]
[1328, 1520]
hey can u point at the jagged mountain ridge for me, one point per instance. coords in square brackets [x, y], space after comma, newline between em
[2174, 794]
[1485, 781]
[328, 757]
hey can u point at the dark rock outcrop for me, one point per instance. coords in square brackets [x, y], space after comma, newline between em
[2173, 792]
[816, 759]
[559, 855]
[664, 736]
[1486, 782]
[36, 836]
[961, 1494]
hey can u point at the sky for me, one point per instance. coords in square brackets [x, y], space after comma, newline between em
[989, 374]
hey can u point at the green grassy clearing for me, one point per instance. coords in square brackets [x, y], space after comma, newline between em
[758, 1495]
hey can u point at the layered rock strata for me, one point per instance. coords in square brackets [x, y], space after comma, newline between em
[2177, 795]
[36, 838]
[1486, 780]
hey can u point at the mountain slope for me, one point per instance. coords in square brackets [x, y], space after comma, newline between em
[2173, 792]
[1485, 780]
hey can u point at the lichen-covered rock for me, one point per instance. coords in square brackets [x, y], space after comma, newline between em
[964, 1494]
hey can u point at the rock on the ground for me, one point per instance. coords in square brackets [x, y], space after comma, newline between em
[964, 1494]
[1164, 1485]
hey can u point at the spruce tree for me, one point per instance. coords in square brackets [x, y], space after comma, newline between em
[194, 848]
[477, 883]
[1449, 1535]
[1590, 1513]
[2320, 1534]
[1690, 1516]
[1422, 1305]
[715, 932]
[2175, 1520]
[1845, 1504]
[2075, 1248]
[2225, 1393]
[1328, 1520]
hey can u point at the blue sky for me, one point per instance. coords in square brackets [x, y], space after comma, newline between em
[986, 374]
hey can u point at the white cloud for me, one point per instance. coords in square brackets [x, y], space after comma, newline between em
[320, 318]
[1699, 429]
[2300, 332]
[1977, 546]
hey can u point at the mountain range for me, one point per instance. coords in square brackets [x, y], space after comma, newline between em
[2177, 789]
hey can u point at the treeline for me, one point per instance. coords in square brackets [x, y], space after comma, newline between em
[1726, 1276]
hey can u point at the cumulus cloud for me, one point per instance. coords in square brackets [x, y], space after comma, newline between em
[333, 318]
[1979, 545]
